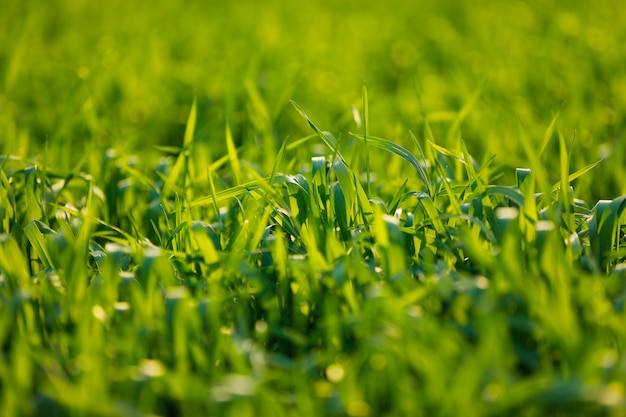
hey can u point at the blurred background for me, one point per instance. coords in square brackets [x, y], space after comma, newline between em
[80, 76]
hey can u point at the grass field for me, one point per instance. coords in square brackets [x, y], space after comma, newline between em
[342, 208]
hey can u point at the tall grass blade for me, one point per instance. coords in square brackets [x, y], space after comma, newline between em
[13, 265]
[180, 166]
[232, 155]
[328, 139]
[366, 132]
[548, 135]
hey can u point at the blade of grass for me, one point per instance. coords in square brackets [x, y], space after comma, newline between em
[548, 134]
[366, 132]
[232, 155]
[37, 241]
[577, 174]
[603, 229]
[326, 138]
[180, 166]
[511, 193]
[397, 150]
[566, 195]
[13, 264]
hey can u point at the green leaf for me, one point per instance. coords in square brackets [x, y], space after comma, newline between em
[548, 135]
[327, 138]
[232, 155]
[511, 193]
[38, 242]
[397, 150]
[603, 229]
[190, 128]
[13, 264]
[338, 199]
[180, 167]
[346, 179]
[204, 242]
[577, 174]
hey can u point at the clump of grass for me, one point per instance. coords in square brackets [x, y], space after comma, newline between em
[300, 292]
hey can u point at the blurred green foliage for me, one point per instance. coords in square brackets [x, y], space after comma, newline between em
[122, 74]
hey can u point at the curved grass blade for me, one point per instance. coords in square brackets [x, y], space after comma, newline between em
[329, 140]
[258, 183]
[508, 192]
[394, 148]
[297, 143]
[37, 241]
[603, 228]
[339, 161]
[13, 265]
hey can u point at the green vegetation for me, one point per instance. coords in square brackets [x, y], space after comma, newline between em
[322, 208]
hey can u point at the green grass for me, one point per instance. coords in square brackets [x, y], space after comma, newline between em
[329, 208]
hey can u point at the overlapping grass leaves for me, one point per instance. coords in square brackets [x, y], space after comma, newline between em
[230, 286]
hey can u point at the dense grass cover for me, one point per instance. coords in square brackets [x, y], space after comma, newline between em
[319, 208]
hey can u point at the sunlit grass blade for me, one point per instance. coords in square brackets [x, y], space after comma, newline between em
[603, 229]
[395, 201]
[511, 193]
[278, 160]
[180, 166]
[469, 165]
[345, 178]
[339, 165]
[226, 194]
[219, 196]
[299, 142]
[420, 149]
[366, 133]
[432, 213]
[566, 193]
[34, 208]
[577, 174]
[232, 155]
[7, 204]
[548, 134]
[13, 265]
[390, 240]
[338, 200]
[476, 221]
[37, 240]
[400, 151]
[329, 140]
